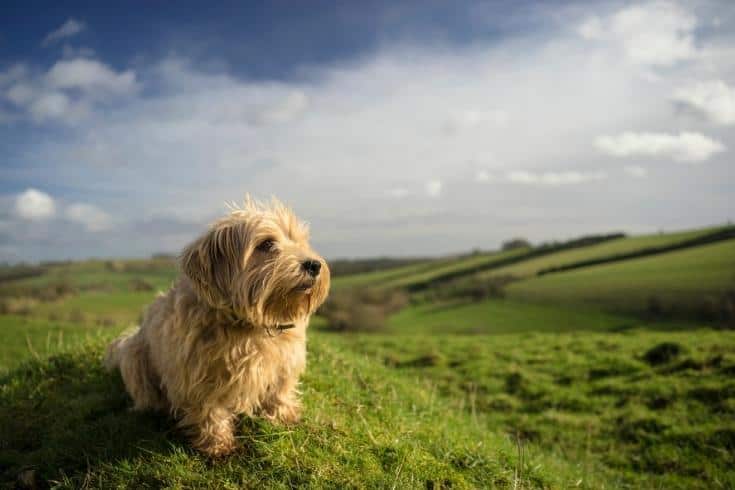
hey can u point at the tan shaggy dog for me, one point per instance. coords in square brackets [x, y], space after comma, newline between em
[229, 337]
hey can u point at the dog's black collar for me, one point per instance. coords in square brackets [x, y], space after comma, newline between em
[244, 323]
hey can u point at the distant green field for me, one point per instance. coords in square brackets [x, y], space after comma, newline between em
[606, 249]
[465, 265]
[482, 264]
[499, 316]
[383, 276]
[98, 308]
[680, 280]
[95, 273]
[424, 272]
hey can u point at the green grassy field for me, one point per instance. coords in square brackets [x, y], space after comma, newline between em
[680, 281]
[365, 427]
[98, 274]
[483, 264]
[25, 338]
[521, 410]
[603, 250]
[425, 272]
[561, 384]
[634, 410]
[458, 267]
[381, 276]
[501, 316]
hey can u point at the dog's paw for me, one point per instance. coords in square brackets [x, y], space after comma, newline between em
[214, 440]
[217, 448]
[284, 414]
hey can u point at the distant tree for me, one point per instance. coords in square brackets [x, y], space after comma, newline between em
[516, 243]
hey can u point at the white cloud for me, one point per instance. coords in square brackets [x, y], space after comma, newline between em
[339, 144]
[70, 28]
[68, 92]
[398, 192]
[591, 28]
[713, 99]
[34, 205]
[14, 73]
[658, 33]
[483, 176]
[553, 178]
[474, 118]
[636, 171]
[51, 105]
[90, 75]
[20, 93]
[91, 217]
[684, 147]
[287, 109]
[434, 188]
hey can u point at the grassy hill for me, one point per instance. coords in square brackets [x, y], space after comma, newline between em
[566, 382]
[526, 262]
[683, 281]
[500, 316]
[509, 411]
[635, 410]
[622, 247]
[366, 426]
[382, 276]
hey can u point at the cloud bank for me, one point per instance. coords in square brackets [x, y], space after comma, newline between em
[414, 149]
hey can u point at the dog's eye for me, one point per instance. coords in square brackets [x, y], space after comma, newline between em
[265, 245]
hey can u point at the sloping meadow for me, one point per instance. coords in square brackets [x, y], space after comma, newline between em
[637, 409]
[64, 422]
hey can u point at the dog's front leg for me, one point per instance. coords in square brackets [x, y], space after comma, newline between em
[284, 405]
[211, 430]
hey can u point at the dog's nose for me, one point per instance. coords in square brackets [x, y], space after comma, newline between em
[312, 267]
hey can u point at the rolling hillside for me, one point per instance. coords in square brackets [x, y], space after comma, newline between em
[621, 248]
[564, 383]
[369, 425]
[524, 262]
[680, 281]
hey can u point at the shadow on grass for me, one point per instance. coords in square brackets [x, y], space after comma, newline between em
[64, 417]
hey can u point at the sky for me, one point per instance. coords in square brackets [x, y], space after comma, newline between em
[392, 128]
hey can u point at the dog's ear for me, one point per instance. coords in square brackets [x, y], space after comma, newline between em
[212, 261]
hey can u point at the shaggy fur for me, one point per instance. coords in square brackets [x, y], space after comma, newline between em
[229, 338]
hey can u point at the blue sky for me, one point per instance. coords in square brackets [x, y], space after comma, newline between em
[406, 128]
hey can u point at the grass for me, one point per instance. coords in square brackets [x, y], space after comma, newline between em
[95, 274]
[494, 264]
[383, 276]
[634, 410]
[522, 410]
[679, 280]
[501, 316]
[65, 421]
[425, 272]
[610, 248]
[531, 391]
[456, 268]
[24, 338]
[97, 308]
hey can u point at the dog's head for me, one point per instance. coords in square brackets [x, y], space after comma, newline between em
[257, 263]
